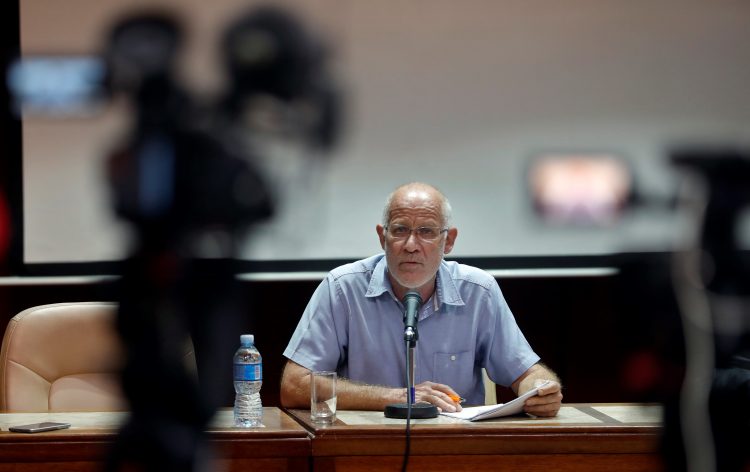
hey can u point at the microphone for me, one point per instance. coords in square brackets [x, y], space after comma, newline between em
[412, 302]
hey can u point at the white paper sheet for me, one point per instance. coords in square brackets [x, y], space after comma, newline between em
[514, 407]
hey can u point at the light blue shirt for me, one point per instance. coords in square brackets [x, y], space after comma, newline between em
[354, 325]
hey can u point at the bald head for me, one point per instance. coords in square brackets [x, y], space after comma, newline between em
[418, 193]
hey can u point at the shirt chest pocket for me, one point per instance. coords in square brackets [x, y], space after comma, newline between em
[454, 369]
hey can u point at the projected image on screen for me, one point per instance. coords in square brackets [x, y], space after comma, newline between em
[56, 86]
[579, 189]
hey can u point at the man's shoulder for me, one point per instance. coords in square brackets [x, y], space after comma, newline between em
[360, 268]
[463, 273]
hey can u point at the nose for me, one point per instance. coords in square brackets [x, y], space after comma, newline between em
[411, 243]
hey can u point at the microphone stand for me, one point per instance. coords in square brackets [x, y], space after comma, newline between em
[410, 409]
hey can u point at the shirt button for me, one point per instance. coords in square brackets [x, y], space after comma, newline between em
[453, 358]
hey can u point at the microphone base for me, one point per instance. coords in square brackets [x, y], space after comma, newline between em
[421, 410]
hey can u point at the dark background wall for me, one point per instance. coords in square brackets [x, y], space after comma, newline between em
[576, 324]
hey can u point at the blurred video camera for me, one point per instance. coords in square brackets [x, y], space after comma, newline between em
[187, 178]
[189, 164]
[706, 281]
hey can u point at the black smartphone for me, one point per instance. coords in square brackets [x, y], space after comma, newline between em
[39, 427]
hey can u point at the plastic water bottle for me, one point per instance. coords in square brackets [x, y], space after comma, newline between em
[248, 377]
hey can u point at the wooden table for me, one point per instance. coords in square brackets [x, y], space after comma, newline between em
[281, 445]
[595, 437]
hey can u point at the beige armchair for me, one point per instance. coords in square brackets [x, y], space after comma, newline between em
[63, 357]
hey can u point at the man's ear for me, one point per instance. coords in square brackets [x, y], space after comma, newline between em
[381, 235]
[450, 240]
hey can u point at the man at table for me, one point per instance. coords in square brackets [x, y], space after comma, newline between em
[353, 323]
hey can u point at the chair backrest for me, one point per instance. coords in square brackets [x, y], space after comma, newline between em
[490, 389]
[63, 357]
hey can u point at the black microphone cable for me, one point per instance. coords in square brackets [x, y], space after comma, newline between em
[408, 410]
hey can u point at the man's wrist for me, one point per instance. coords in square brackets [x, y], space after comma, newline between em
[528, 384]
[396, 395]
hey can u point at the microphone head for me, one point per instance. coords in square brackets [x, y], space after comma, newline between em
[412, 295]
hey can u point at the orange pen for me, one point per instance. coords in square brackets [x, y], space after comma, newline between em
[456, 398]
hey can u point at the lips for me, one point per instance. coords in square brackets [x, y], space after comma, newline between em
[409, 264]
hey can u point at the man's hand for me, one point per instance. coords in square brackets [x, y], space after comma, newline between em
[295, 392]
[549, 400]
[442, 396]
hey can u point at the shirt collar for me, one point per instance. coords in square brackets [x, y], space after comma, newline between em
[379, 283]
[445, 288]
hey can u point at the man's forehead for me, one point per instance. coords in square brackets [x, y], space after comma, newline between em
[415, 210]
[415, 201]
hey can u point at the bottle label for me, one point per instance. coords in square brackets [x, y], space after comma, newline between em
[248, 372]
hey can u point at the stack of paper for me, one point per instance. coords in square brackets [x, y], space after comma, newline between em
[485, 412]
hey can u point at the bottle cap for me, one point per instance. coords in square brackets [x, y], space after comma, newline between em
[247, 339]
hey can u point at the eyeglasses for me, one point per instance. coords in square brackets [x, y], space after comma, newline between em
[424, 233]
